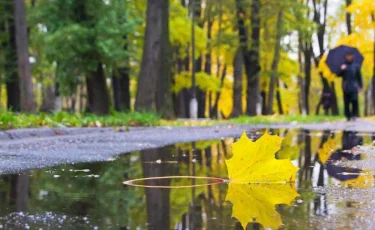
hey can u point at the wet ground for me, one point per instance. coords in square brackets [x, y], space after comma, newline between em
[335, 187]
[46, 147]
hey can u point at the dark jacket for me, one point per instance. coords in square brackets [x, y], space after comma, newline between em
[352, 78]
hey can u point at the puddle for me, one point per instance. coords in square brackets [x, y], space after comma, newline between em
[335, 186]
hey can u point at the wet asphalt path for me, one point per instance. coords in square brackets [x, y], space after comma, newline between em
[37, 148]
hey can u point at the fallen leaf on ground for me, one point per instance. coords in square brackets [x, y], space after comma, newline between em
[255, 162]
[258, 181]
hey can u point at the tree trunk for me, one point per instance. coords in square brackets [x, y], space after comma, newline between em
[9, 49]
[48, 97]
[237, 85]
[58, 100]
[307, 69]
[252, 64]
[275, 62]
[251, 56]
[327, 89]
[24, 70]
[348, 18]
[121, 84]
[263, 96]
[151, 59]
[22, 192]
[201, 94]
[208, 57]
[157, 199]
[366, 107]
[180, 105]
[301, 81]
[334, 105]
[278, 98]
[13, 93]
[163, 94]
[97, 92]
[121, 89]
[214, 110]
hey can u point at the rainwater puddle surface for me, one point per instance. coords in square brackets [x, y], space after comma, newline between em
[335, 187]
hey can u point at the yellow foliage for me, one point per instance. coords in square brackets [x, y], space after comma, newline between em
[290, 97]
[203, 80]
[365, 180]
[287, 68]
[326, 71]
[254, 162]
[364, 21]
[256, 202]
[180, 30]
[326, 150]
[226, 98]
[363, 11]
[289, 147]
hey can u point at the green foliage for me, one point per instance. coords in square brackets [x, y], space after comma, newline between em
[78, 35]
[10, 120]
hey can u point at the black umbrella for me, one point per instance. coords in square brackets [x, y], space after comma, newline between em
[336, 57]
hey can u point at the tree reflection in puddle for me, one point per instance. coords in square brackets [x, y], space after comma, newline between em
[105, 203]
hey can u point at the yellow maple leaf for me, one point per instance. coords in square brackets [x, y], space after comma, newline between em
[256, 202]
[254, 162]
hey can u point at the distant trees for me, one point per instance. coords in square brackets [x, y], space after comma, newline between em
[87, 40]
[22, 47]
[250, 51]
[124, 55]
[8, 47]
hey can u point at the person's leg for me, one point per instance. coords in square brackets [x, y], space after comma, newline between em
[355, 108]
[347, 105]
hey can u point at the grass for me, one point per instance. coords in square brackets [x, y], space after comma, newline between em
[10, 120]
[278, 119]
[275, 119]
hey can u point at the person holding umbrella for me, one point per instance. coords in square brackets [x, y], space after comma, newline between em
[351, 85]
[346, 62]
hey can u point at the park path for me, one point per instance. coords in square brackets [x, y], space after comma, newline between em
[38, 148]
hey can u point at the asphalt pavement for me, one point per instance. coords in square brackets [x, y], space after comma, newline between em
[25, 149]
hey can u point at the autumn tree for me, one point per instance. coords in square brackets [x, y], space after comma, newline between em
[22, 47]
[364, 20]
[250, 51]
[9, 51]
[320, 9]
[154, 72]
[276, 59]
[86, 41]
[237, 84]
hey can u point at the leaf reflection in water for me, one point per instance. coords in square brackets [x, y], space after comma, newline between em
[256, 202]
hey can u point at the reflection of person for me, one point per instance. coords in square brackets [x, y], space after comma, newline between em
[351, 84]
[349, 141]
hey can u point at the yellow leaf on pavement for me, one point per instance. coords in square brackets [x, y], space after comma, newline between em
[254, 162]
